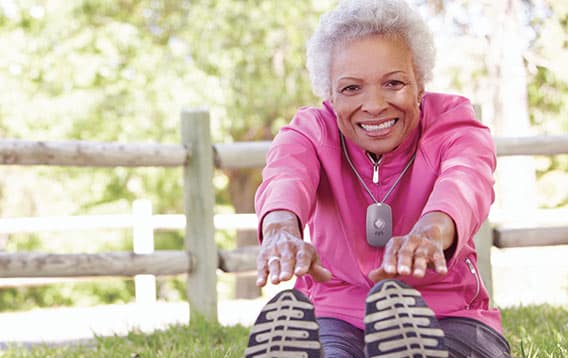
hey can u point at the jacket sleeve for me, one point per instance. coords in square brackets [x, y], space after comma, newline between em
[292, 172]
[464, 156]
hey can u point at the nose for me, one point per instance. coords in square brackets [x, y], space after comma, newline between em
[374, 101]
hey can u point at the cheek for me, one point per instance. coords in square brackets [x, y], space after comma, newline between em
[344, 108]
[413, 117]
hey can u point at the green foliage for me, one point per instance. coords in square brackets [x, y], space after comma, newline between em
[67, 294]
[552, 174]
[259, 60]
[545, 93]
[121, 71]
[23, 243]
[14, 299]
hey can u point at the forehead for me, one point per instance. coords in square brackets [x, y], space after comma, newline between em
[371, 55]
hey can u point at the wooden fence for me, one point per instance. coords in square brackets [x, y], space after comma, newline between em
[200, 258]
[142, 223]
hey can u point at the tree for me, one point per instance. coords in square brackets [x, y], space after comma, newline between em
[508, 56]
[121, 71]
[256, 48]
[548, 94]
[93, 70]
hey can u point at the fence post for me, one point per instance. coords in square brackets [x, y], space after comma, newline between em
[483, 243]
[198, 202]
[143, 243]
[484, 239]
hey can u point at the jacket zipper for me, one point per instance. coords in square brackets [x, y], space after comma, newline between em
[477, 281]
[376, 164]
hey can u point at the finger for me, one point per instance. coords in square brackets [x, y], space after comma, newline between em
[318, 272]
[379, 274]
[261, 278]
[281, 269]
[421, 261]
[274, 269]
[261, 271]
[390, 255]
[287, 264]
[303, 262]
[440, 262]
[406, 254]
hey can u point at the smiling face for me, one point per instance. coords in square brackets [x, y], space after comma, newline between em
[374, 92]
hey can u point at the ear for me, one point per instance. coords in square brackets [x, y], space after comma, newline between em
[421, 92]
[331, 98]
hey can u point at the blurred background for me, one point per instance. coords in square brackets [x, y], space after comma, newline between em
[122, 70]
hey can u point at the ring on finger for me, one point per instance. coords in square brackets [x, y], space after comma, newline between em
[272, 259]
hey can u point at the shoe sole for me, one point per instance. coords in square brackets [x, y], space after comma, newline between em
[399, 324]
[286, 327]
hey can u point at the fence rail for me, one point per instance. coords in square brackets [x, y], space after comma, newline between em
[112, 154]
[227, 156]
[532, 236]
[85, 265]
[198, 156]
[537, 145]
[123, 221]
[118, 264]
[33, 264]
[92, 154]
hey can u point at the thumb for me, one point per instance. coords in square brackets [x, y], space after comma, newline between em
[379, 274]
[319, 273]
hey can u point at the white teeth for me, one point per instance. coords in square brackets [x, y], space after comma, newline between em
[376, 127]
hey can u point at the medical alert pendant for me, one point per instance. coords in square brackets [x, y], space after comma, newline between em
[379, 224]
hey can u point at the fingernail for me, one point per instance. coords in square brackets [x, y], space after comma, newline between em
[284, 274]
[419, 272]
[389, 268]
[404, 269]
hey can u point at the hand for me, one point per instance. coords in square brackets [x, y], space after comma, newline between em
[423, 247]
[284, 254]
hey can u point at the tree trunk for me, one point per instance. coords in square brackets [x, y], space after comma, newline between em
[515, 176]
[242, 187]
[3, 237]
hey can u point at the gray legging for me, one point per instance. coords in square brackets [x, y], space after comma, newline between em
[464, 337]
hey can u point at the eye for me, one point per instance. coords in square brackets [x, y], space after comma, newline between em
[350, 89]
[394, 84]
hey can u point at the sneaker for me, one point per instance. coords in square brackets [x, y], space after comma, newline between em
[399, 324]
[286, 327]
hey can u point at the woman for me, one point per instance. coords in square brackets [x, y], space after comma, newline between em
[392, 182]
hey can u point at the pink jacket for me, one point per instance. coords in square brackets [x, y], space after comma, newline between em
[306, 173]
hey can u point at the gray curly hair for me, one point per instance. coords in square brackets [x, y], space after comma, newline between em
[355, 19]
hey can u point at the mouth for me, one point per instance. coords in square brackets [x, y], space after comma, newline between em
[378, 127]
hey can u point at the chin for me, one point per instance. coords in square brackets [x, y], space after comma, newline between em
[380, 149]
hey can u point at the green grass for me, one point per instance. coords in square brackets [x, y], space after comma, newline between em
[533, 331]
[198, 339]
[537, 331]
